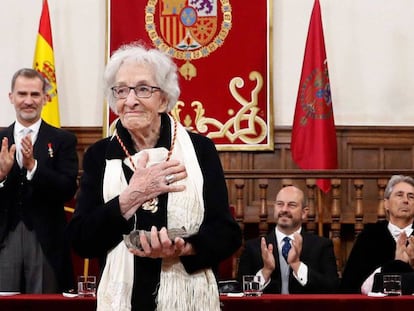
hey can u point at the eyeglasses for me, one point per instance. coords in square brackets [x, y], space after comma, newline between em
[141, 91]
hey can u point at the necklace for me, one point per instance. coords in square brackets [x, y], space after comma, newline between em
[152, 204]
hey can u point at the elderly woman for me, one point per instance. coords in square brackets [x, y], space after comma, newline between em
[153, 176]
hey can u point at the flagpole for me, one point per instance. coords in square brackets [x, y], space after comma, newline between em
[320, 213]
[85, 267]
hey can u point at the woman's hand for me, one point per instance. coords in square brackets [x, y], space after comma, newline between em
[159, 245]
[149, 182]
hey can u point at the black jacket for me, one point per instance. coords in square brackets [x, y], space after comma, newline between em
[97, 227]
[39, 203]
[317, 254]
[373, 248]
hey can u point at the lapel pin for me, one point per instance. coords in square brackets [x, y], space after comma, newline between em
[50, 150]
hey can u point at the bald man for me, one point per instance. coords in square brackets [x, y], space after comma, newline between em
[289, 259]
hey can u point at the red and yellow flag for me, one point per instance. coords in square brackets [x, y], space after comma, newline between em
[44, 63]
[313, 141]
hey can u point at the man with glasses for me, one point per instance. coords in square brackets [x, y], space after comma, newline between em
[385, 246]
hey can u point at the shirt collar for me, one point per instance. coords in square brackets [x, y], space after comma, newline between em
[34, 127]
[396, 231]
[280, 235]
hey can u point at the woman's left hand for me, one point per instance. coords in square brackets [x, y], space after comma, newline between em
[161, 246]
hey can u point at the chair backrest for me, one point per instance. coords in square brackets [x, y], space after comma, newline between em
[81, 266]
[227, 269]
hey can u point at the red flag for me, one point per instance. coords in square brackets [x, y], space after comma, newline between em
[313, 142]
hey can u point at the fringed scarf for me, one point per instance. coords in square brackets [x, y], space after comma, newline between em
[178, 290]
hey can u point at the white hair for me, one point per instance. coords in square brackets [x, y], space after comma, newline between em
[164, 68]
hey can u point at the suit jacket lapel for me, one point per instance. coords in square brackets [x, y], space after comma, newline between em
[9, 133]
[44, 138]
[276, 275]
[10, 137]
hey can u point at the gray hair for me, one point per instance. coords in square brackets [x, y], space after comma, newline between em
[396, 179]
[30, 74]
[164, 68]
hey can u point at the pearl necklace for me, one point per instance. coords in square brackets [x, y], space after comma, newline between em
[152, 204]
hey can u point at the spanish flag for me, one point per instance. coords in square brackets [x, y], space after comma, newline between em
[44, 63]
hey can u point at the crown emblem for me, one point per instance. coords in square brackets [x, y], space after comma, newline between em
[48, 72]
[188, 29]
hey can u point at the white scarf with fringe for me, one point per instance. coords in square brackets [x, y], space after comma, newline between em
[178, 290]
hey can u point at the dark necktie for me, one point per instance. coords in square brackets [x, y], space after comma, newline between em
[286, 247]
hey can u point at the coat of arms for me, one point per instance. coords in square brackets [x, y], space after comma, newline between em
[188, 29]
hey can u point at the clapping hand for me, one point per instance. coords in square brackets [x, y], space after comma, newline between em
[295, 251]
[269, 263]
[404, 250]
[6, 158]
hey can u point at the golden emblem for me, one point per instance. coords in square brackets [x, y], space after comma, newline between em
[188, 29]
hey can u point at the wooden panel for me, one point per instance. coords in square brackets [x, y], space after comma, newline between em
[363, 148]
[368, 156]
[398, 158]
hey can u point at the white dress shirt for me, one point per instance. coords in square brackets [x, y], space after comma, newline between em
[34, 129]
[18, 135]
[395, 231]
[302, 275]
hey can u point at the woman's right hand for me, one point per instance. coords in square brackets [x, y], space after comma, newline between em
[149, 182]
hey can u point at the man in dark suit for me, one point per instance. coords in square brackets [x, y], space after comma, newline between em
[38, 171]
[384, 246]
[304, 263]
